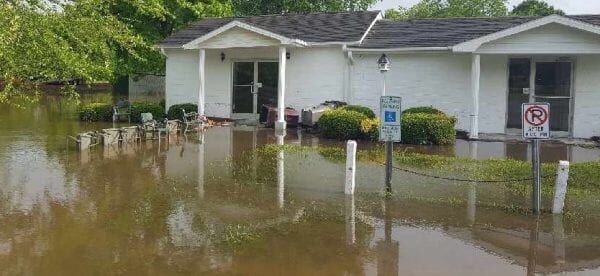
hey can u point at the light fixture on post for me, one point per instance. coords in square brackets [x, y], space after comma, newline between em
[288, 55]
[384, 65]
[222, 56]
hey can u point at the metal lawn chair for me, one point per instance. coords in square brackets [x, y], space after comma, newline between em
[122, 108]
[156, 128]
[191, 119]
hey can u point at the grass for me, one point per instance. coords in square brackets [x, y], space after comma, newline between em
[583, 178]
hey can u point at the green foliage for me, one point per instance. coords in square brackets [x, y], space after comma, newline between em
[341, 124]
[423, 109]
[158, 112]
[175, 112]
[535, 8]
[360, 109]
[450, 8]
[103, 112]
[87, 40]
[423, 128]
[96, 112]
[262, 7]
[369, 129]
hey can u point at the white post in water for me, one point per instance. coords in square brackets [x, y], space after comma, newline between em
[350, 167]
[560, 189]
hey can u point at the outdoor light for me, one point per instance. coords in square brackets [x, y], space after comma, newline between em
[222, 56]
[287, 55]
[384, 63]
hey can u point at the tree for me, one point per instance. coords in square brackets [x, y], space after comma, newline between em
[41, 43]
[451, 8]
[535, 8]
[261, 7]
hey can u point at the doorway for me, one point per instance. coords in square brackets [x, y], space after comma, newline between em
[254, 84]
[541, 80]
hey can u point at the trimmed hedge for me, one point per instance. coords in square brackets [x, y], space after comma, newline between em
[428, 129]
[175, 113]
[103, 112]
[96, 112]
[360, 109]
[341, 124]
[423, 109]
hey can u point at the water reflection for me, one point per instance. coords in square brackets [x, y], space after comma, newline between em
[210, 204]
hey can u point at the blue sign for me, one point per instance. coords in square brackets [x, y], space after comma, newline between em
[390, 116]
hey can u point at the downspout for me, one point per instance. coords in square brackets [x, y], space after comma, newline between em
[348, 95]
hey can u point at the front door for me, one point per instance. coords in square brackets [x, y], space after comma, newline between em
[254, 84]
[540, 81]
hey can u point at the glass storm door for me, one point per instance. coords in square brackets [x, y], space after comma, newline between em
[254, 84]
[553, 85]
[540, 81]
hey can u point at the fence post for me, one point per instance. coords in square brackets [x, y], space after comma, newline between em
[350, 167]
[560, 188]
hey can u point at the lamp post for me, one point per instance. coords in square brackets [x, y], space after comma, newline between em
[385, 65]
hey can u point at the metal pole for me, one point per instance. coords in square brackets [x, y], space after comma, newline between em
[389, 150]
[536, 193]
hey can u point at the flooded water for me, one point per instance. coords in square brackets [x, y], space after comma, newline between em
[215, 206]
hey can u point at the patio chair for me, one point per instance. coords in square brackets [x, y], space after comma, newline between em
[192, 119]
[122, 108]
[154, 127]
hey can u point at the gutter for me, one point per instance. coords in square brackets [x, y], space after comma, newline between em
[401, 50]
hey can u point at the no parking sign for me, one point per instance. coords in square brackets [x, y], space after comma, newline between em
[536, 120]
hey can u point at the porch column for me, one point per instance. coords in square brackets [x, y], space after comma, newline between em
[475, 76]
[201, 85]
[280, 124]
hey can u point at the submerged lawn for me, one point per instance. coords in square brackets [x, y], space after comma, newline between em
[583, 177]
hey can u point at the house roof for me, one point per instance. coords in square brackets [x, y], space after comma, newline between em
[344, 27]
[444, 32]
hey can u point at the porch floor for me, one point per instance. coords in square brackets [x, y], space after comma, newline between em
[501, 137]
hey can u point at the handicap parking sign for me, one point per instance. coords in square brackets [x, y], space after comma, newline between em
[390, 107]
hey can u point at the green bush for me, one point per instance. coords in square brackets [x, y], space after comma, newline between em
[426, 129]
[423, 109]
[175, 112]
[141, 107]
[95, 112]
[360, 109]
[341, 124]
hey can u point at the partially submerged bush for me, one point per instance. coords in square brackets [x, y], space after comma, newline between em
[175, 112]
[138, 108]
[360, 109]
[426, 129]
[96, 112]
[423, 109]
[341, 124]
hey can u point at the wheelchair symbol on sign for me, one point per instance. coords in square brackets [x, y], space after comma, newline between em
[390, 116]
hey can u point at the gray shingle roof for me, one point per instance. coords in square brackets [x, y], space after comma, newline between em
[444, 32]
[313, 27]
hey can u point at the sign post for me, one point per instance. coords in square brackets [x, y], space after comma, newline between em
[390, 132]
[536, 127]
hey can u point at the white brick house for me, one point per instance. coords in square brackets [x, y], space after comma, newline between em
[478, 69]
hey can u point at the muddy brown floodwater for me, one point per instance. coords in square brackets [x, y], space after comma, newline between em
[219, 207]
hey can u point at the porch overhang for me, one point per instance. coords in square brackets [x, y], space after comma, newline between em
[281, 40]
[472, 46]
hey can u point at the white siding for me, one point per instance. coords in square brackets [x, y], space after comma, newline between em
[493, 94]
[586, 121]
[313, 76]
[548, 39]
[238, 37]
[182, 77]
[438, 80]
